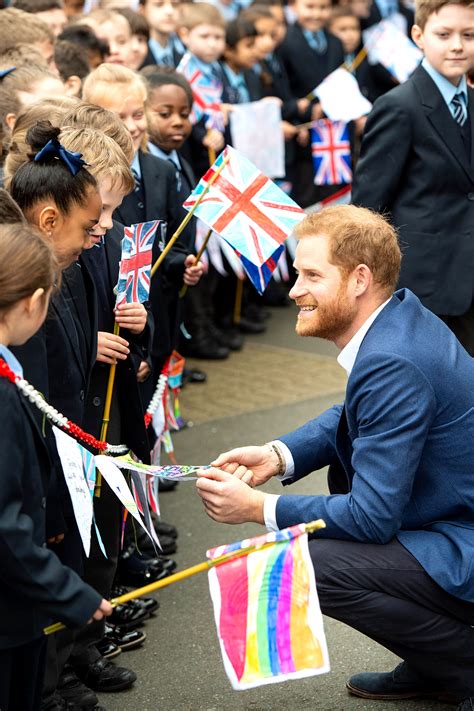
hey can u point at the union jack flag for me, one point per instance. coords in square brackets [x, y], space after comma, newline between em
[207, 92]
[133, 284]
[331, 152]
[249, 211]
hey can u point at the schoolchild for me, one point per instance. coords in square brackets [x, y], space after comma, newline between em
[163, 18]
[113, 29]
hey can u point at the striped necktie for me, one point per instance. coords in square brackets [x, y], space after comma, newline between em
[458, 110]
[138, 182]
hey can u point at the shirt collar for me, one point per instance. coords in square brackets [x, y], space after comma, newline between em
[235, 80]
[447, 90]
[136, 169]
[159, 153]
[209, 69]
[10, 360]
[348, 355]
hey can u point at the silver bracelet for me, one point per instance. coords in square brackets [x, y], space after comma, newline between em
[281, 460]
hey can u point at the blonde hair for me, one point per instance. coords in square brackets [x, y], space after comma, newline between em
[18, 27]
[104, 157]
[53, 109]
[425, 8]
[357, 235]
[200, 13]
[85, 115]
[112, 77]
[99, 17]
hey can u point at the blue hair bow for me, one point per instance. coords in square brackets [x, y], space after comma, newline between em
[5, 72]
[53, 149]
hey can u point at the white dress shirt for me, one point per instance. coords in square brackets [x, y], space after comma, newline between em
[346, 359]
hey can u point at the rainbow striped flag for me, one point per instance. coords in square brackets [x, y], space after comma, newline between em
[266, 608]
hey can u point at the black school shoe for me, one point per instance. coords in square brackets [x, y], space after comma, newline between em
[73, 692]
[128, 616]
[162, 528]
[145, 545]
[149, 604]
[135, 570]
[108, 649]
[123, 639]
[403, 682]
[104, 676]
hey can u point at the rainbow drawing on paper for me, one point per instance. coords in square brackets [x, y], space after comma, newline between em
[267, 613]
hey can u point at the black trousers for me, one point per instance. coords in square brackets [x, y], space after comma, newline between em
[383, 592]
[21, 676]
[463, 328]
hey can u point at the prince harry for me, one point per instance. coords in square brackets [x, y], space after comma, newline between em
[396, 559]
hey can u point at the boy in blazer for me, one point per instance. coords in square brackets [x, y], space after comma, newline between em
[394, 560]
[417, 165]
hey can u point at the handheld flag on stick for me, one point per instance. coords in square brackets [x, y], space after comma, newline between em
[331, 151]
[390, 47]
[207, 91]
[249, 211]
[266, 609]
[133, 284]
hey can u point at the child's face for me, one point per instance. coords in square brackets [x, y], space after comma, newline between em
[169, 123]
[162, 15]
[111, 196]
[243, 55]
[206, 42]
[49, 86]
[131, 110]
[279, 16]
[118, 36]
[447, 41]
[55, 18]
[138, 51]
[312, 15]
[348, 31]
[361, 8]
[267, 37]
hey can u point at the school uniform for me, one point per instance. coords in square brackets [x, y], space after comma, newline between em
[308, 58]
[417, 165]
[36, 588]
[169, 56]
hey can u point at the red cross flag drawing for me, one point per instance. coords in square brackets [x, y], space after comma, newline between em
[249, 211]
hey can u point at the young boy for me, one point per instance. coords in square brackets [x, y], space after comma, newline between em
[241, 83]
[85, 37]
[72, 64]
[17, 26]
[163, 17]
[112, 28]
[416, 164]
[140, 36]
[50, 11]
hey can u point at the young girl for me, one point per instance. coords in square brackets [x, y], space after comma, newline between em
[35, 586]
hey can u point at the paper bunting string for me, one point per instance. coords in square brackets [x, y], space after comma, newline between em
[170, 471]
[267, 612]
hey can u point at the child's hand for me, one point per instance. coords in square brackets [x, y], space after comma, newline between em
[316, 112]
[360, 125]
[193, 270]
[213, 139]
[131, 316]
[289, 131]
[111, 348]
[226, 110]
[303, 137]
[302, 105]
[143, 371]
[104, 610]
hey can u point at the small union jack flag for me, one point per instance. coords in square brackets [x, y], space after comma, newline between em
[207, 93]
[331, 152]
[249, 211]
[133, 284]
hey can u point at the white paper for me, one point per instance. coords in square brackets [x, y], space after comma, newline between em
[388, 46]
[265, 148]
[70, 454]
[340, 97]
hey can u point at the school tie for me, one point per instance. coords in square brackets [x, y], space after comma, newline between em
[316, 40]
[138, 182]
[458, 109]
[177, 169]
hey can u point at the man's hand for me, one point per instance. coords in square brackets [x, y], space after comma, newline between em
[193, 270]
[111, 348]
[228, 499]
[104, 610]
[262, 461]
[132, 317]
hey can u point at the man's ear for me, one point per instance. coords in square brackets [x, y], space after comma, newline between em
[73, 86]
[417, 37]
[363, 279]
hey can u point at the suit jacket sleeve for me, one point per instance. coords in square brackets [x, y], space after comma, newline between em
[33, 571]
[385, 147]
[393, 406]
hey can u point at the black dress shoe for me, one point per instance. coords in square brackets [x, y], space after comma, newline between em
[230, 338]
[149, 604]
[124, 640]
[162, 528]
[128, 616]
[108, 649]
[248, 326]
[403, 682]
[135, 570]
[105, 676]
[194, 375]
[71, 689]
[167, 485]
[205, 349]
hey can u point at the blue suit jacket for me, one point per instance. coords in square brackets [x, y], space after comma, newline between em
[401, 448]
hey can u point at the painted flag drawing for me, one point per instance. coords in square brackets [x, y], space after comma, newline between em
[331, 151]
[206, 93]
[387, 45]
[267, 612]
[133, 284]
[249, 211]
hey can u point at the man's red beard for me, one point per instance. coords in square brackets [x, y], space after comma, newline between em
[329, 320]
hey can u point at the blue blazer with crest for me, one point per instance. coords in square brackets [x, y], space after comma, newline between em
[400, 449]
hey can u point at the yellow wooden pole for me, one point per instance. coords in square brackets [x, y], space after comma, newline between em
[106, 415]
[188, 572]
[198, 257]
[212, 155]
[181, 227]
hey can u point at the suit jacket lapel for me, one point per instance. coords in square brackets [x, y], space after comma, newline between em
[441, 119]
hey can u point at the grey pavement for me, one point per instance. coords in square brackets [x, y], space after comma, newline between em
[180, 666]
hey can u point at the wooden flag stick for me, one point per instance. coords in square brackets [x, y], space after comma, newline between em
[106, 415]
[188, 217]
[358, 59]
[188, 572]
[198, 257]
[212, 155]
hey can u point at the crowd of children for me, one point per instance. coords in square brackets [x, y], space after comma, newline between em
[98, 131]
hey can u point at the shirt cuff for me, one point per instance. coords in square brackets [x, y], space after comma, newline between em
[269, 511]
[289, 461]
